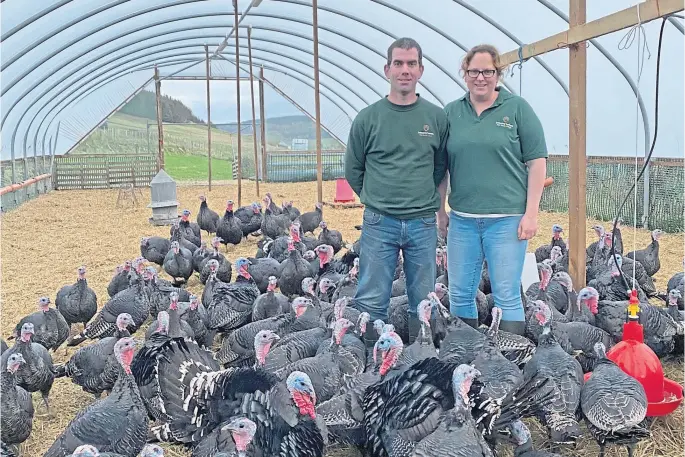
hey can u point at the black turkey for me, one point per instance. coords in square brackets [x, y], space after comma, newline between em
[178, 263]
[50, 327]
[310, 221]
[16, 417]
[649, 256]
[77, 302]
[229, 230]
[154, 248]
[207, 219]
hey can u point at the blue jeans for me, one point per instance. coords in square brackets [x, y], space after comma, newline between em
[381, 241]
[469, 241]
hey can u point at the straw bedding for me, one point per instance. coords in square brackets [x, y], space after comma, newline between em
[47, 239]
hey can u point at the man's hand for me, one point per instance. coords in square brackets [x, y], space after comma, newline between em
[443, 222]
[528, 226]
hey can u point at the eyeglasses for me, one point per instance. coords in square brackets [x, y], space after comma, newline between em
[486, 73]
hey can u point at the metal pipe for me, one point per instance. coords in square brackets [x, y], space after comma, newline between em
[237, 90]
[209, 122]
[317, 102]
[33, 18]
[254, 122]
[677, 24]
[160, 121]
[262, 121]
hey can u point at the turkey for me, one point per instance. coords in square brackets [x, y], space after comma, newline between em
[133, 301]
[231, 305]
[614, 405]
[278, 250]
[330, 237]
[270, 303]
[677, 281]
[229, 230]
[250, 218]
[178, 263]
[77, 302]
[327, 266]
[262, 270]
[189, 230]
[294, 270]
[51, 329]
[585, 308]
[224, 270]
[36, 374]
[154, 248]
[549, 291]
[95, 367]
[566, 380]
[309, 221]
[269, 201]
[3, 346]
[290, 210]
[347, 287]
[544, 251]
[672, 310]
[120, 279]
[232, 438]
[180, 236]
[170, 322]
[207, 219]
[118, 423]
[87, 450]
[200, 255]
[524, 442]
[649, 256]
[16, 418]
[197, 319]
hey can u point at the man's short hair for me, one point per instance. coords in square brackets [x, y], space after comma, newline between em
[405, 43]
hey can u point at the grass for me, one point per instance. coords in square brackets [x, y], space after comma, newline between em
[193, 168]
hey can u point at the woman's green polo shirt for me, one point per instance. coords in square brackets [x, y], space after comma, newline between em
[488, 153]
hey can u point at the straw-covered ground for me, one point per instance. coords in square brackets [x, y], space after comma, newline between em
[45, 240]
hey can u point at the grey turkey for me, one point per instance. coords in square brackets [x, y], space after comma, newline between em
[548, 290]
[330, 237]
[134, 301]
[274, 224]
[270, 303]
[200, 255]
[154, 248]
[207, 219]
[614, 405]
[328, 265]
[120, 279]
[291, 210]
[278, 249]
[232, 303]
[456, 433]
[178, 263]
[250, 218]
[544, 251]
[190, 230]
[347, 286]
[36, 373]
[262, 270]
[117, 423]
[610, 283]
[231, 438]
[180, 236]
[229, 229]
[50, 327]
[416, 398]
[224, 271]
[271, 204]
[677, 281]
[585, 307]
[16, 415]
[310, 220]
[524, 442]
[95, 367]
[566, 380]
[77, 302]
[170, 322]
[649, 256]
[643, 279]
[294, 270]
[159, 292]
[198, 320]
[87, 450]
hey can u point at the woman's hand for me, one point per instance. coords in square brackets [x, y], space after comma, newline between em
[443, 222]
[528, 226]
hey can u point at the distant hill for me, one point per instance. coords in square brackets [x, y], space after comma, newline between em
[284, 129]
[144, 105]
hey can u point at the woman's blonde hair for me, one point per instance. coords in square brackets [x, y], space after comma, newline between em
[488, 49]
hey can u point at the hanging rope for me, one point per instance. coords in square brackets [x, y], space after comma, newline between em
[519, 65]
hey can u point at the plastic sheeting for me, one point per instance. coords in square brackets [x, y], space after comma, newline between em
[70, 63]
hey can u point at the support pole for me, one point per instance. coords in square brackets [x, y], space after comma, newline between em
[237, 89]
[160, 129]
[262, 121]
[317, 102]
[254, 122]
[209, 121]
[577, 143]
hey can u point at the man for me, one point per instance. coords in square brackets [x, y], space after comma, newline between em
[394, 162]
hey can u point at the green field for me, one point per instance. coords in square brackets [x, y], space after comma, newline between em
[194, 168]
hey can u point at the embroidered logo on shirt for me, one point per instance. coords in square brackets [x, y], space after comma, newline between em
[426, 131]
[504, 123]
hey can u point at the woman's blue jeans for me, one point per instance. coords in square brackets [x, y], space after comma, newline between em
[382, 239]
[495, 239]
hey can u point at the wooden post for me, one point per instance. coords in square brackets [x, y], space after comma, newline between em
[254, 122]
[317, 102]
[160, 128]
[209, 122]
[577, 141]
[262, 121]
[237, 90]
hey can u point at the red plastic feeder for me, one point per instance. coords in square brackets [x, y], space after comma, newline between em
[639, 361]
[343, 191]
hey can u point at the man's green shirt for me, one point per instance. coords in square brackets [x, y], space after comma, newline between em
[488, 153]
[396, 157]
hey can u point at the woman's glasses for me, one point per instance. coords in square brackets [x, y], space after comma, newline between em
[486, 73]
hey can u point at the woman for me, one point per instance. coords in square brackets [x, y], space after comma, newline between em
[497, 167]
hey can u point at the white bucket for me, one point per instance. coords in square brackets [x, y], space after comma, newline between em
[530, 271]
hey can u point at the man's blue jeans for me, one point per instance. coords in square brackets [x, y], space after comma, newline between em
[469, 240]
[381, 241]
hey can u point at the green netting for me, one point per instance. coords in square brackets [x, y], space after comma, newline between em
[608, 181]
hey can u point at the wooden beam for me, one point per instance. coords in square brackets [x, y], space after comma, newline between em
[262, 121]
[160, 129]
[649, 10]
[237, 90]
[254, 122]
[317, 101]
[577, 141]
[209, 122]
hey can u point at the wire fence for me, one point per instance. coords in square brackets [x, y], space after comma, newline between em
[294, 166]
[38, 181]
